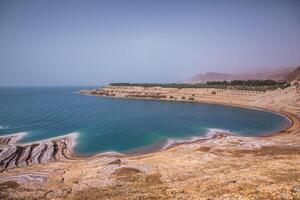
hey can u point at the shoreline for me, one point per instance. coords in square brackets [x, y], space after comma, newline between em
[140, 151]
[280, 113]
[293, 121]
[184, 140]
[288, 116]
[225, 166]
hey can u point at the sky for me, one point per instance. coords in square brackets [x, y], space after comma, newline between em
[95, 42]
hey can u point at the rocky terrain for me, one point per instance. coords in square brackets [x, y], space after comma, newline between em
[222, 166]
[13, 154]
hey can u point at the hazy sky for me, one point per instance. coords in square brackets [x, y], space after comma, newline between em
[92, 42]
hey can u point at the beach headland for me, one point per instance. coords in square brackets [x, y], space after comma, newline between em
[224, 166]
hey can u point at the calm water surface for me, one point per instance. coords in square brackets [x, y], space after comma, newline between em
[109, 124]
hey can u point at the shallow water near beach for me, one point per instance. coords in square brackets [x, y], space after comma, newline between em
[122, 125]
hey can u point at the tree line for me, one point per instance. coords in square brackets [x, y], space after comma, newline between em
[256, 85]
[249, 82]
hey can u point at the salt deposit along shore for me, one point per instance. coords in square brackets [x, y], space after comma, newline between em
[226, 166]
[14, 154]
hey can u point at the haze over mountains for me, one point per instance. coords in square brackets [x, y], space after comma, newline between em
[280, 74]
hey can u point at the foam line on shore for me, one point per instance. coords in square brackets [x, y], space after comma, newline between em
[109, 154]
[210, 134]
[73, 135]
[19, 134]
[12, 139]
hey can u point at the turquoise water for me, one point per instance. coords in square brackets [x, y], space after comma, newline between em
[110, 124]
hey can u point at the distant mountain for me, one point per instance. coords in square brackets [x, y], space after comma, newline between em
[281, 74]
[294, 76]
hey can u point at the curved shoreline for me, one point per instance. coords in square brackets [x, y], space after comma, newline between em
[223, 167]
[280, 113]
[184, 141]
[276, 112]
[294, 124]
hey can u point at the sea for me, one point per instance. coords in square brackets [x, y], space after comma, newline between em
[106, 124]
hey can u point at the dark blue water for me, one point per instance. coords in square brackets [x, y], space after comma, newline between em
[109, 124]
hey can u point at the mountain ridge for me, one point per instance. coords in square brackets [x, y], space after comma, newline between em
[281, 74]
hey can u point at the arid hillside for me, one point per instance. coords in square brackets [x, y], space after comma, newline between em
[295, 75]
[282, 74]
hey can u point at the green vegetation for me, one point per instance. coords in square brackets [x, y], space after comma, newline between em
[248, 82]
[254, 85]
